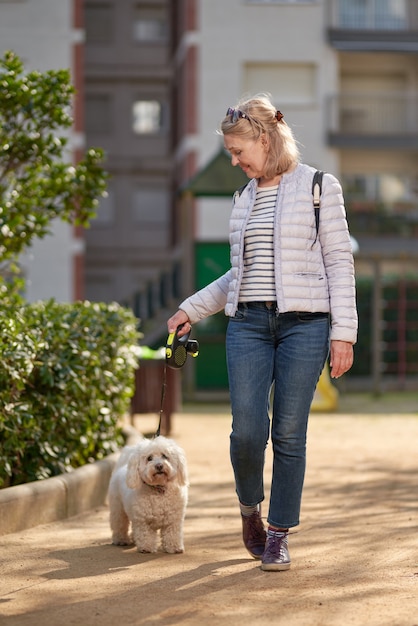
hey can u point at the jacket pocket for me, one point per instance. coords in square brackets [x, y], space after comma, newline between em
[310, 275]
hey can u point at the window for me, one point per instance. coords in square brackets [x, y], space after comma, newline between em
[375, 14]
[150, 25]
[387, 189]
[288, 83]
[98, 113]
[147, 117]
[99, 23]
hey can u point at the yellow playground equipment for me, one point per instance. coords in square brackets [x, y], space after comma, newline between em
[326, 395]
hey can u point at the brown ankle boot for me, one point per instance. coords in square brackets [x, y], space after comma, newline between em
[254, 534]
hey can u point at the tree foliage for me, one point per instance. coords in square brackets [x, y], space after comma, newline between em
[66, 370]
[37, 181]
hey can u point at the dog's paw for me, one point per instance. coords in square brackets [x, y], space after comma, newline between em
[173, 550]
[122, 542]
[146, 550]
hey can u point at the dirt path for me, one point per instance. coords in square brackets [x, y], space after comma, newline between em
[355, 555]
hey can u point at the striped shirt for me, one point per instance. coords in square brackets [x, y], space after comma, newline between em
[258, 277]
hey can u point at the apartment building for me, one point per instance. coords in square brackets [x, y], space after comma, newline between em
[46, 35]
[345, 75]
[131, 245]
[344, 72]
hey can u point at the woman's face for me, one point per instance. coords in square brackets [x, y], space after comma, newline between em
[249, 154]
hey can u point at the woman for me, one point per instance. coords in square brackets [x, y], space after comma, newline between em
[290, 297]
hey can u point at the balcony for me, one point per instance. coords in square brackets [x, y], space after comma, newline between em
[373, 25]
[373, 121]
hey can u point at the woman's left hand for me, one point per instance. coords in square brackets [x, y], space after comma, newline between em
[341, 357]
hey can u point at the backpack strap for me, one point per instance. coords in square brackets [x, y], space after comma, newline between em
[241, 189]
[316, 192]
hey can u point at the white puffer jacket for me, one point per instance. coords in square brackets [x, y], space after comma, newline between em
[312, 276]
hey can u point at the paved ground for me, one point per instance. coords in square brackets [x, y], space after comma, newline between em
[355, 554]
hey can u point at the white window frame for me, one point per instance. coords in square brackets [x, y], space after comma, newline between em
[147, 122]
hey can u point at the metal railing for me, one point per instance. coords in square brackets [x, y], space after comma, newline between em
[381, 15]
[156, 296]
[374, 113]
[387, 349]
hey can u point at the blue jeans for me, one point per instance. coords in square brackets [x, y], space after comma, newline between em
[289, 350]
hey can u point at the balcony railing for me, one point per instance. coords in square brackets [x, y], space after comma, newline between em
[383, 25]
[373, 120]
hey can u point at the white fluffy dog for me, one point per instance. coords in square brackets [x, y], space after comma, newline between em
[148, 489]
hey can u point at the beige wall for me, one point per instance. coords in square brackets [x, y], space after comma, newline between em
[283, 47]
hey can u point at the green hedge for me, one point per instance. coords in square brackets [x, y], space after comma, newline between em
[66, 377]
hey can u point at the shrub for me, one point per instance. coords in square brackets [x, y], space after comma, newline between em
[66, 377]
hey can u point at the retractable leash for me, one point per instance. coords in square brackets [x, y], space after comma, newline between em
[176, 351]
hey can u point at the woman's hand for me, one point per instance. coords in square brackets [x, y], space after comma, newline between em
[341, 357]
[176, 320]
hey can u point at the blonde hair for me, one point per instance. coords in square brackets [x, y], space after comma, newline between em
[261, 117]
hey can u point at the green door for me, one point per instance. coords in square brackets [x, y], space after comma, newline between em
[211, 261]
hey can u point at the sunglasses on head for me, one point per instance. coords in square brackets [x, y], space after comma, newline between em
[236, 114]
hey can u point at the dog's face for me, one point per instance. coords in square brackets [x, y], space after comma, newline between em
[156, 462]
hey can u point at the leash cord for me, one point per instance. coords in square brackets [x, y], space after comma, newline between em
[163, 388]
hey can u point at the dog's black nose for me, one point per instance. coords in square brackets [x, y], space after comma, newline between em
[159, 467]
